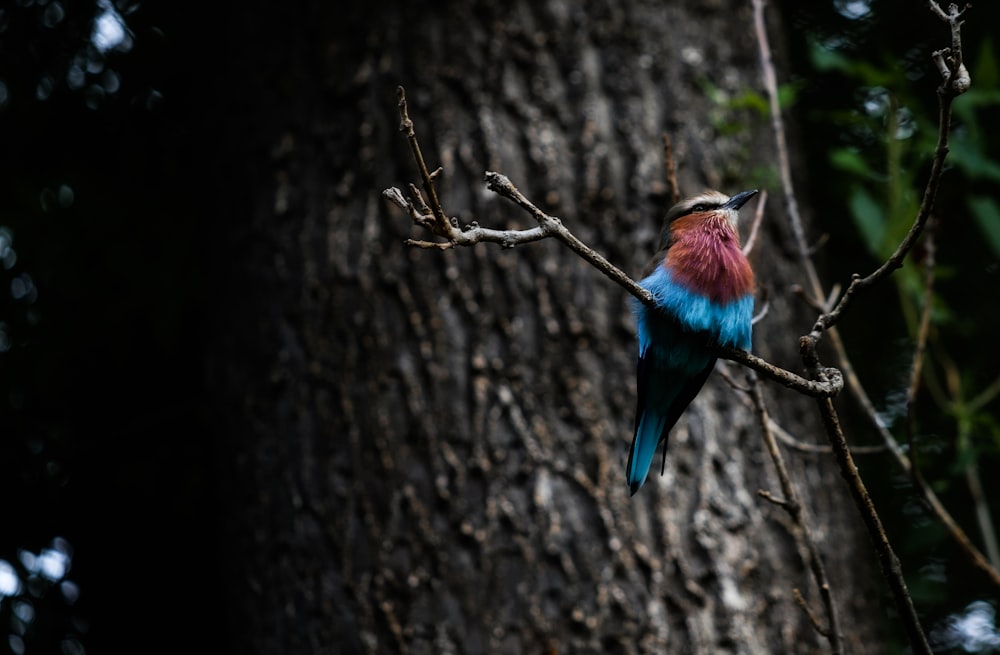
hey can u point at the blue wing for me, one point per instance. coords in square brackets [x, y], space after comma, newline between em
[676, 355]
[672, 368]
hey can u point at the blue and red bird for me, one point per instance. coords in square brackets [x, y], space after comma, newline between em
[704, 289]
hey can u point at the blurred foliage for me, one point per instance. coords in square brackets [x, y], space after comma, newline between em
[38, 596]
[746, 111]
[102, 452]
[868, 102]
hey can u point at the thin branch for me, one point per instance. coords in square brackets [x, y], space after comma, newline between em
[785, 437]
[502, 185]
[671, 171]
[809, 613]
[468, 236]
[406, 125]
[765, 308]
[815, 303]
[888, 561]
[982, 509]
[771, 498]
[930, 499]
[920, 347]
[784, 165]
[755, 226]
[817, 448]
[820, 242]
[955, 76]
[797, 512]
[956, 81]
[985, 396]
[828, 381]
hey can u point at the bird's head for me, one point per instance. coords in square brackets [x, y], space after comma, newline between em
[707, 203]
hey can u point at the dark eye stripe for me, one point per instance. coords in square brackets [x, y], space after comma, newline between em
[678, 210]
[700, 207]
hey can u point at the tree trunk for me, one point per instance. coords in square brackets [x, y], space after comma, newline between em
[424, 451]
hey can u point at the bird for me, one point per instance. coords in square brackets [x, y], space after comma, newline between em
[703, 288]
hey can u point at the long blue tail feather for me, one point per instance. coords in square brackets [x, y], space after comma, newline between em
[664, 393]
[640, 455]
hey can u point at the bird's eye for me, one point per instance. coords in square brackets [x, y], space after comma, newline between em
[699, 208]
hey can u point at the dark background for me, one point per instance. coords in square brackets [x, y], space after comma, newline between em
[109, 196]
[114, 191]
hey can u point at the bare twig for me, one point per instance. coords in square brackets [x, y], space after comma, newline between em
[502, 185]
[771, 498]
[809, 613]
[795, 444]
[986, 395]
[955, 77]
[755, 226]
[764, 309]
[406, 125]
[671, 171]
[920, 347]
[820, 242]
[946, 93]
[816, 303]
[784, 164]
[784, 436]
[797, 512]
[460, 237]
[984, 516]
[888, 561]
[828, 381]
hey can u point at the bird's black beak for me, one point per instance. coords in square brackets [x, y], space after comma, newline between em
[739, 200]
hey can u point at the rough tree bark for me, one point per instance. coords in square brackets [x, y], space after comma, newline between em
[425, 450]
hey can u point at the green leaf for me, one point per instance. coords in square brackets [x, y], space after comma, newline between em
[986, 211]
[969, 156]
[788, 94]
[869, 219]
[751, 100]
[826, 59]
[851, 161]
[985, 72]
